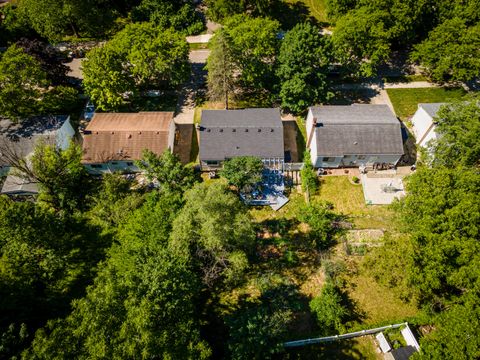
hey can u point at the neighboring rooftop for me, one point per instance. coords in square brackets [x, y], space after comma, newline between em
[124, 136]
[357, 129]
[250, 132]
[22, 137]
[431, 108]
[15, 185]
[354, 114]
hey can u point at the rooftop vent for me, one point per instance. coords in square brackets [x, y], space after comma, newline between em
[272, 130]
[221, 130]
[246, 130]
[234, 130]
[259, 130]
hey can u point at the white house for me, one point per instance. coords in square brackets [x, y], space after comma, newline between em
[20, 139]
[114, 141]
[424, 123]
[354, 135]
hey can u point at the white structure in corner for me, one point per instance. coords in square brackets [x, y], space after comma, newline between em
[354, 135]
[424, 123]
[20, 139]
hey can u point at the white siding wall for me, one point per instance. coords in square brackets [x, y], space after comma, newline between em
[171, 135]
[65, 135]
[422, 122]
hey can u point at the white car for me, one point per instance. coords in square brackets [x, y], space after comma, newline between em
[89, 111]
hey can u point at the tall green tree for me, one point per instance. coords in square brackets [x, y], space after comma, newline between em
[54, 19]
[141, 303]
[22, 83]
[243, 172]
[216, 232]
[254, 45]
[220, 66]
[361, 40]
[451, 52]
[138, 58]
[167, 170]
[180, 15]
[458, 129]
[303, 64]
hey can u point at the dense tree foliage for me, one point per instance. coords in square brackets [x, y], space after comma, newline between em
[257, 330]
[140, 57]
[179, 15]
[167, 171]
[25, 87]
[330, 309]
[54, 19]
[320, 219]
[361, 40]
[218, 10]
[220, 66]
[149, 289]
[216, 232]
[46, 260]
[243, 172]
[244, 54]
[308, 175]
[13, 24]
[303, 61]
[458, 129]
[451, 52]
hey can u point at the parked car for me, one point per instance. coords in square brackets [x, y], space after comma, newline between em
[89, 111]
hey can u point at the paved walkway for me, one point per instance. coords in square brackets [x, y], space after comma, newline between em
[199, 39]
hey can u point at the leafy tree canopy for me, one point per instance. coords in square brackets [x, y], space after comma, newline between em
[179, 15]
[330, 309]
[320, 219]
[148, 289]
[243, 171]
[139, 57]
[215, 231]
[451, 52]
[458, 129]
[303, 63]
[167, 170]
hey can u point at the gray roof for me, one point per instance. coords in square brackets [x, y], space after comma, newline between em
[250, 132]
[23, 136]
[354, 114]
[357, 130]
[15, 185]
[431, 108]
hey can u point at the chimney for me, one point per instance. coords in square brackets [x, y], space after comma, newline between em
[311, 134]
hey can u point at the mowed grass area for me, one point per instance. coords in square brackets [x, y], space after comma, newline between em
[405, 101]
[348, 200]
[317, 8]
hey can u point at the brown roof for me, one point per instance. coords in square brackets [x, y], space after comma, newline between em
[124, 136]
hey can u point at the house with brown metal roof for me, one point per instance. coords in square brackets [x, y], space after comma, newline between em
[114, 141]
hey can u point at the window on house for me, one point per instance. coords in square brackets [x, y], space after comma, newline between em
[211, 162]
[129, 163]
[114, 163]
[328, 159]
[362, 157]
[96, 166]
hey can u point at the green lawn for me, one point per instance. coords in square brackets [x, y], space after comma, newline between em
[405, 101]
[317, 8]
[348, 199]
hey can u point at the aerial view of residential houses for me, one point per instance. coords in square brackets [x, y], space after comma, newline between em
[258, 179]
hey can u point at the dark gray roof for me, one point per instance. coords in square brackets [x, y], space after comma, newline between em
[357, 130]
[354, 114]
[15, 185]
[249, 132]
[431, 108]
[22, 137]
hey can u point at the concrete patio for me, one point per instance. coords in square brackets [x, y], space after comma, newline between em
[374, 186]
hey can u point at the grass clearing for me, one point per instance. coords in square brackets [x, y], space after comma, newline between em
[405, 101]
[348, 199]
[316, 8]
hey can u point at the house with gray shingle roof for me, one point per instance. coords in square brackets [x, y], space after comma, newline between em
[18, 140]
[225, 134]
[424, 124]
[354, 135]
